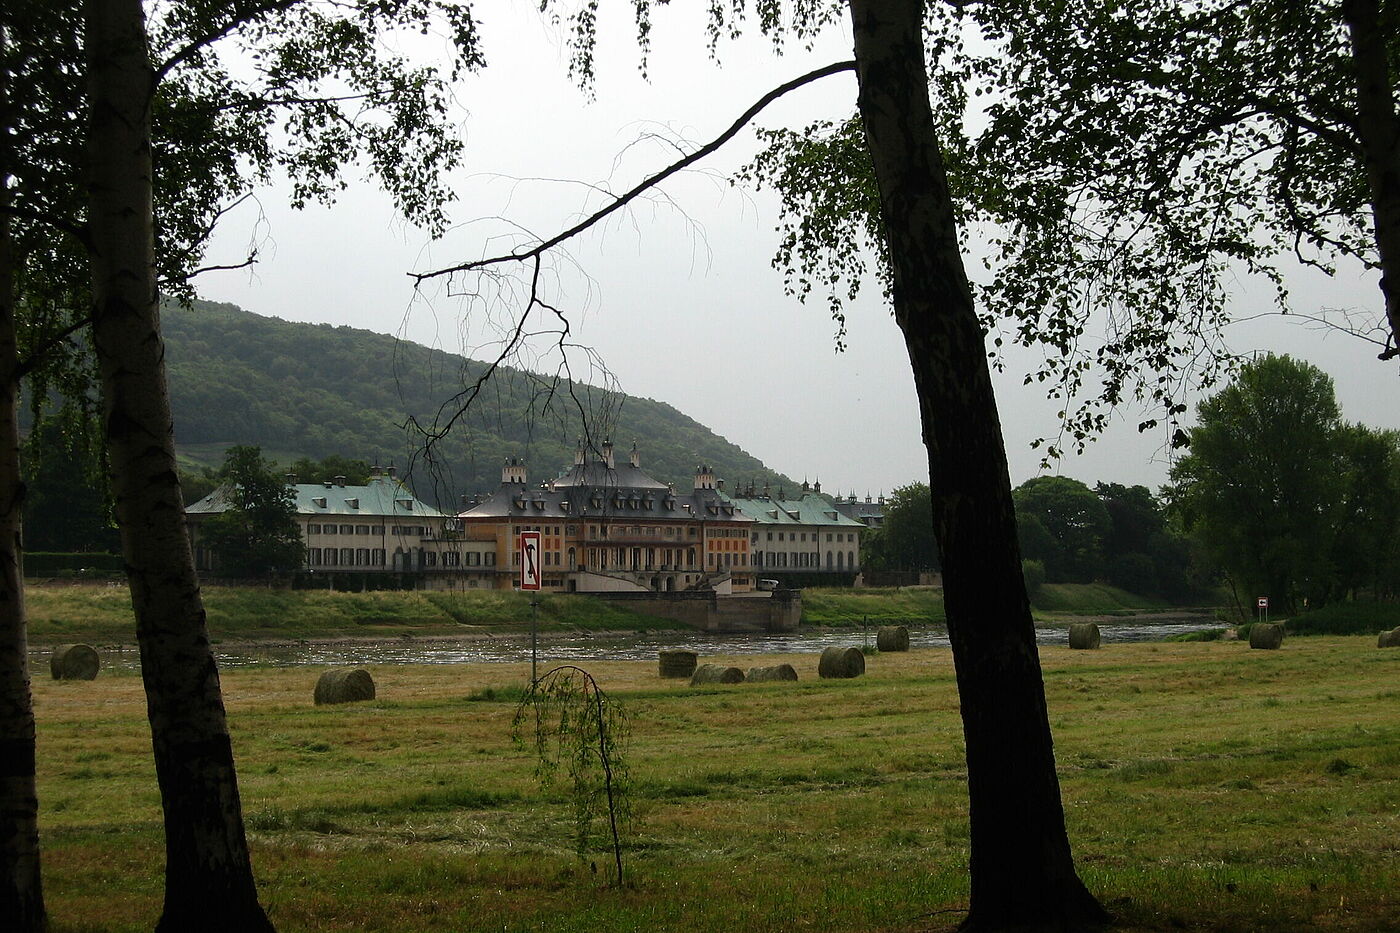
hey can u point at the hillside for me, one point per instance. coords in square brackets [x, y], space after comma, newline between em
[315, 390]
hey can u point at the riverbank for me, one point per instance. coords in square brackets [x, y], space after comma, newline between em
[101, 612]
[1206, 787]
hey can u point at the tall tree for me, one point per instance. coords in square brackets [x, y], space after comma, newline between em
[209, 877]
[1076, 519]
[1262, 483]
[1023, 874]
[906, 540]
[257, 534]
[321, 90]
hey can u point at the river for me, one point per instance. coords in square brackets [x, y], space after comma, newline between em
[611, 647]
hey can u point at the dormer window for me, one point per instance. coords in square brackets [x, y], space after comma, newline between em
[353, 503]
[319, 501]
[405, 504]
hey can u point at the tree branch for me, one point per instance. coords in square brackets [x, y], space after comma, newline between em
[539, 249]
[238, 18]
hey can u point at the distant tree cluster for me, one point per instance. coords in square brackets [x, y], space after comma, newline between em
[1290, 501]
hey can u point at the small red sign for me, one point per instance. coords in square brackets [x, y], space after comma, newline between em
[530, 573]
[1263, 602]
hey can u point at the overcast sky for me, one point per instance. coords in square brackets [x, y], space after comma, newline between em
[679, 300]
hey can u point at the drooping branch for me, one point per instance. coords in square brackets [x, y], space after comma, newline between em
[646, 184]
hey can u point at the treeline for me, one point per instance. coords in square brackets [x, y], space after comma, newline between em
[1276, 496]
[1068, 532]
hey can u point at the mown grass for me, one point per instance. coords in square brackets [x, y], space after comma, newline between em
[1207, 787]
[102, 613]
[1091, 598]
[845, 606]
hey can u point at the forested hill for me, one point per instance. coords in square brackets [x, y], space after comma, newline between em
[316, 390]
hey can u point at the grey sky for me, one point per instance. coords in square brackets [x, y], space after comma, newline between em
[680, 300]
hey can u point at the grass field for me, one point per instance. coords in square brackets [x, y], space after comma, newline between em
[1207, 787]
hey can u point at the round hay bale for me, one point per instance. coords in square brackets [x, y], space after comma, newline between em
[776, 672]
[74, 662]
[716, 674]
[892, 638]
[1390, 639]
[675, 662]
[1266, 635]
[344, 685]
[841, 662]
[1083, 635]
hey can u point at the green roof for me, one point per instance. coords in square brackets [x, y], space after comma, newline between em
[807, 510]
[382, 497]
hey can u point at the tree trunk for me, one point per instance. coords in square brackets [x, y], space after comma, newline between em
[208, 875]
[21, 894]
[1379, 130]
[1023, 875]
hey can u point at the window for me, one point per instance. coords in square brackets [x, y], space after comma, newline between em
[330, 555]
[430, 558]
[489, 558]
[313, 529]
[362, 557]
[347, 557]
[347, 529]
[377, 557]
[361, 529]
[313, 557]
[327, 529]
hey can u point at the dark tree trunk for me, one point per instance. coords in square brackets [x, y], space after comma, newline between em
[21, 894]
[1023, 875]
[208, 875]
[1379, 130]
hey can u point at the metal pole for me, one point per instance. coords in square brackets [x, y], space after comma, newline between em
[534, 639]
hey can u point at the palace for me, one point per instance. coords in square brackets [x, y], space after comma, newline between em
[610, 527]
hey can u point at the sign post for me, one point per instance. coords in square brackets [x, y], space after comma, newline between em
[531, 576]
[1263, 608]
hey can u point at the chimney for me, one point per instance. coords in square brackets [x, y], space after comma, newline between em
[291, 479]
[817, 486]
[340, 481]
[391, 471]
[375, 471]
[513, 471]
[579, 453]
[719, 484]
[608, 453]
[635, 458]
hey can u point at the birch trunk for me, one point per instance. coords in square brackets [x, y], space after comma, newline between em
[1378, 128]
[208, 875]
[21, 893]
[1023, 875]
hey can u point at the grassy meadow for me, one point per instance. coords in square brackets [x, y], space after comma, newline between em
[1207, 787]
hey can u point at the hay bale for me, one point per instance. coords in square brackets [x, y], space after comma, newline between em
[776, 672]
[1266, 635]
[841, 662]
[1083, 635]
[892, 638]
[344, 685]
[1390, 639]
[74, 662]
[675, 662]
[716, 674]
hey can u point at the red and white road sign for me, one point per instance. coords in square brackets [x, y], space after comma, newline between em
[530, 573]
[1263, 602]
